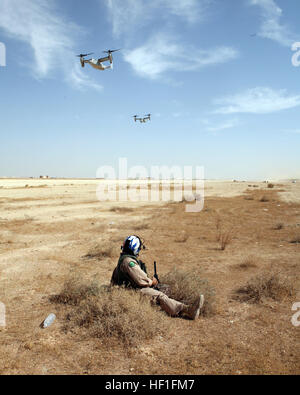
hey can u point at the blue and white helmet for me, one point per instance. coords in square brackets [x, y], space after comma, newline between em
[132, 244]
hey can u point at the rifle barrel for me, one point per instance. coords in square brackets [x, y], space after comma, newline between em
[155, 272]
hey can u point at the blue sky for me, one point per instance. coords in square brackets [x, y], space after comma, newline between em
[216, 75]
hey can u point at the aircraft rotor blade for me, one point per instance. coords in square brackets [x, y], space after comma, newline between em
[112, 50]
[83, 55]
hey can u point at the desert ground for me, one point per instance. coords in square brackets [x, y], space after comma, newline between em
[245, 243]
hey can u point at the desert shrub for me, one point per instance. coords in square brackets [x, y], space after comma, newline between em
[121, 209]
[99, 252]
[191, 198]
[270, 185]
[116, 315]
[182, 237]
[264, 286]
[142, 226]
[218, 228]
[225, 238]
[186, 286]
[218, 223]
[263, 199]
[74, 291]
[279, 226]
[295, 239]
[247, 263]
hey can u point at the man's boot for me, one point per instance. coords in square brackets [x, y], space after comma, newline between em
[192, 311]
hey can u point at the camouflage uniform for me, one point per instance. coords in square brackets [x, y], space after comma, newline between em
[132, 273]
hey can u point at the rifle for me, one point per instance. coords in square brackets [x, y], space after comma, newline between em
[155, 272]
[160, 287]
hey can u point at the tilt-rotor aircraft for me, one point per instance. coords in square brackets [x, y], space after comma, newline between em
[98, 63]
[143, 119]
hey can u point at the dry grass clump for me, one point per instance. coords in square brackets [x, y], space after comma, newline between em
[264, 286]
[115, 315]
[270, 185]
[142, 226]
[190, 198]
[182, 237]
[247, 263]
[279, 226]
[224, 236]
[295, 239]
[121, 209]
[225, 239]
[218, 227]
[99, 252]
[264, 199]
[75, 291]
[186, 286]
[33, 186]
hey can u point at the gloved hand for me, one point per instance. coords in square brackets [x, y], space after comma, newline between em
[154, 282]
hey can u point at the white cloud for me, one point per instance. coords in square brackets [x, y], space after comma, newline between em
[229, 124]
[162, 54]
[80, 81]
[180, 114]
[127, 15]
[190, 10]
[260, 100]
[51, 38]
[123, 11]
[271, 27]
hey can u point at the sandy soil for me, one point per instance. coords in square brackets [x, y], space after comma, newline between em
[48, 225]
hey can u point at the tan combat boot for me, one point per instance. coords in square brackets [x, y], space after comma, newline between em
[192, 311]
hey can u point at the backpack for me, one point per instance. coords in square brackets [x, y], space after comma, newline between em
[120, 278]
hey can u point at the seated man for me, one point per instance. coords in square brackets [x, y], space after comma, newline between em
[132, 273]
